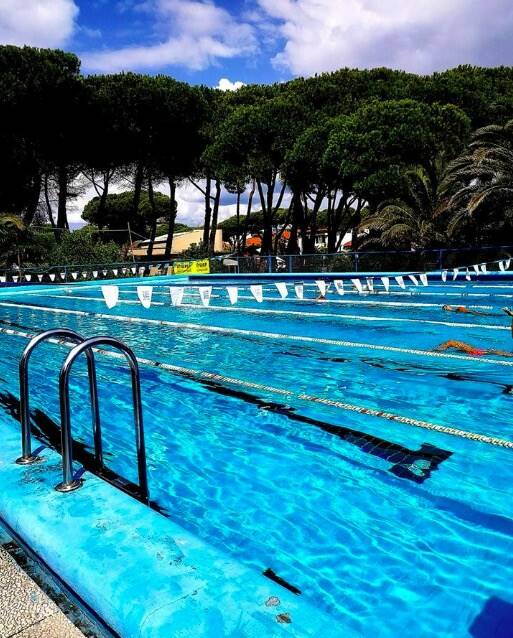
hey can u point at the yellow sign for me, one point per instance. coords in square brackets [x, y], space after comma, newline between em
[199, 267]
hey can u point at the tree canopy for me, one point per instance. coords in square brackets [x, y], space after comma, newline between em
[341, 144]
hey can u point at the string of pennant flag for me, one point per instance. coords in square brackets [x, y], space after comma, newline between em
[76, 275]
[360, 285]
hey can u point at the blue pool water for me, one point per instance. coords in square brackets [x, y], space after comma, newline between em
[382, 525]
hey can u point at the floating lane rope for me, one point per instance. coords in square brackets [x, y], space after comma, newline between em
[261, 334]
[203, 375]
[302, 313]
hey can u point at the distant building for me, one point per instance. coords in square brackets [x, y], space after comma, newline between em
[181, 242]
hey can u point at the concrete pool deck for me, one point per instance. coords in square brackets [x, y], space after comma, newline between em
[25, 610]
[138, 571]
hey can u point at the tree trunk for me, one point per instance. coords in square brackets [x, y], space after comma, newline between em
[138, 182]
[34, 201]
[248, 215]
[238, 234]
[62, 218]
[153, 231]
[172, 217]
[208, 212]
[215, 214]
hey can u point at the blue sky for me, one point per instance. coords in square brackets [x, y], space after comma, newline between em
[202, 41]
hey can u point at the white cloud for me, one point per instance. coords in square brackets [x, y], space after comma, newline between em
[420, 36]
[196, 34]
[227, 85]
[41, 23]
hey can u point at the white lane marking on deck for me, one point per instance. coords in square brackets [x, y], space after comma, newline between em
[301, 313]
[259, 333]
[349, 407]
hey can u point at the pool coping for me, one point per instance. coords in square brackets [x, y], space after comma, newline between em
[140, 572]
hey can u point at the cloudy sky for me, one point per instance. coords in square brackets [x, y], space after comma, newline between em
[226, 42]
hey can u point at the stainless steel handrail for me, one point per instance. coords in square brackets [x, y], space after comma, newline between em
[68, 483]
[27, 458]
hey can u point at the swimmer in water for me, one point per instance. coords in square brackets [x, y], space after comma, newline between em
[466, 348]
[469, 311]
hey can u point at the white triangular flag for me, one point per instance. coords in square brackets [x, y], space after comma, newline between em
[40, 277]
[63, 276]
[95, 274]
[176, 296]
[111, 295]
[2, 279]
[358, 285]
[52, 276]
[282, 289]
[476, 268]
[413, 279]
[115, 271]
[400, 281]
[74, 275]
[444, 275]
[257, 292]
[467, 275]
[144, 293]
[423, 279]
[455, 273]
[370, 284]
[299, 290]
[142, 270]
[134, 270]
[507, 264]
[322, 287]
[483, 269]
[502, 266]
[339, 286]
[205, 292]
[233, 293]
[15, 278]
[386, 283]
[123, 271]
[104, 273]
[84, 275]
[28, 277]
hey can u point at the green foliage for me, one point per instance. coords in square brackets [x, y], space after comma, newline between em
[84, 246]
[195, 251]
[477, 190]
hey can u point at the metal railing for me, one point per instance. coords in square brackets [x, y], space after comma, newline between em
[69, 483]
[27, 458]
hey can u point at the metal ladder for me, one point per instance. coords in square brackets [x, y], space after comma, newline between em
[69, 483]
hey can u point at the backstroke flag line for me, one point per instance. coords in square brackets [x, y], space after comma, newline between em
[205, 292]
[424, 279]
[386, 283]
[400, 281]
[111, 295]
[339, 286]
[414, 279]
[233, 294]
[257, 293]
[144, 293]
[282, 289]
[298, 289]
[176, 294]
[322, 287]
[358, 285]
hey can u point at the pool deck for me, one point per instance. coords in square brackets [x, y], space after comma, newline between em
[25, 610]
[140, 572]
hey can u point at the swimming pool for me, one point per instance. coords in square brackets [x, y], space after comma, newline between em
[307, 437]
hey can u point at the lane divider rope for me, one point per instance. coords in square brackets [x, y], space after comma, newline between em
[302, 313]
[259, 333]
[203, 375]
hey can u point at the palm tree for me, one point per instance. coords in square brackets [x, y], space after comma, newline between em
[408, 222]
[477, 190]
[11, 230]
